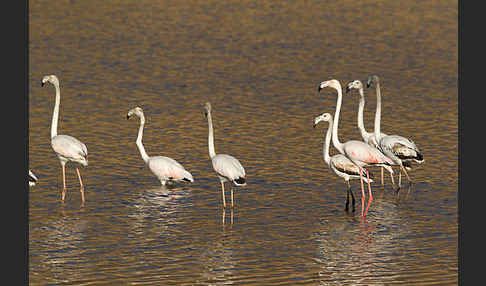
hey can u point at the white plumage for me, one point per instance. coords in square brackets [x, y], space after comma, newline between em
[67, 148]
[368, 138]
[401, 150]
[31, 178]
[360, 153]
[339, 163]
[164, 168]
[227, 167]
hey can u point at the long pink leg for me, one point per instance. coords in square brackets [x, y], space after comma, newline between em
[362, 191]
[82, 186]
[369, 190]
[63, 194]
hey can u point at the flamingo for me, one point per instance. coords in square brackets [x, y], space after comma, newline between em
[67, 148]
[227, 167]
[360, 153]
[164, 168]
[369, 138]
[401, 150]
[340, 164]
[32, 178]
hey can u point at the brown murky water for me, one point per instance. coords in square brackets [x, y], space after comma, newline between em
[259, 63]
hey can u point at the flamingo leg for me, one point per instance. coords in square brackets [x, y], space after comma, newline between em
[400, 178]
[393, 180]
[382, 178]
[369, 190]
[81, 185]
[223, 215]
[222, 192]
[231, 214]
[63, 194]
[352, 196]
[405, 171]
[346, 207]
[362, 191]
[232, 202]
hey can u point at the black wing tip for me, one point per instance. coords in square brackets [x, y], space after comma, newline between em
[419, 158]
[240, 181]
[187, 180]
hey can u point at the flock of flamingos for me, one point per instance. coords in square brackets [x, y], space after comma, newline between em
[376, 149]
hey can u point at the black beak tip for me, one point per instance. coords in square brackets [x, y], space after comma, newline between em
[128, 116]
[42, 83]
[319, 89]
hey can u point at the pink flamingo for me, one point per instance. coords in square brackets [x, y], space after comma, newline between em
[66, 147]
[360, 153]
[368, 138]
[340, 164]
[164, 168]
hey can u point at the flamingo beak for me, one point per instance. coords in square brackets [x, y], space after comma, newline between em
[368, 82]
[42, 84]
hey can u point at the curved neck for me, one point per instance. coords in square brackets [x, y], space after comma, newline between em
[55, 114]
[145, 157]
[327, 142]
[378, 112]
[335, 140]
[212, 153]
[362, 130]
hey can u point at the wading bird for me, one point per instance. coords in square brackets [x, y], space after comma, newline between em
[369, 138]
[401, 150]
[340, 164]
[227, 167]
[67, 148]
[164, 168]
[360, 153]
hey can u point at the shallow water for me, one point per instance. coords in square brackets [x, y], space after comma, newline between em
[259, 63]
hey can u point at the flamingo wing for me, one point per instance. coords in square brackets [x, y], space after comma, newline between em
[70, 148]
[403, 148]
[228, 166]
[362, 152]
[166, 168]
[344, 165]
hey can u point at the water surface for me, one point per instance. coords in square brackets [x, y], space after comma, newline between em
[259, 63]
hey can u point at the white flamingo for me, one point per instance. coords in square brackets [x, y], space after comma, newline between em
[340, 164]
[227, 167]
[164, 168]
[398, 148]
[358, 152]
[368, 137]
[32, 178]
[67, 148]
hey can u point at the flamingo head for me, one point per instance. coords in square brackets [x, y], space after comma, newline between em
[356, 84]
[329, 83]
[50, 78]
[207, 109]
[371, 79]
[323, 117]
[137, 111]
